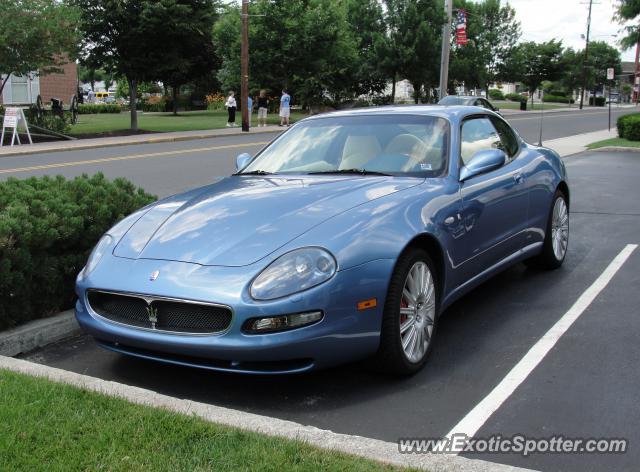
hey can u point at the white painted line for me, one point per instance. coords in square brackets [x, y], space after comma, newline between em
[373, 449]
[474, 420]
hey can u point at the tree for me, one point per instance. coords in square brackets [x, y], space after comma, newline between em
[628, 10]
[117, 39]
[183, 27]
[414, 42]
[571, 65]
[305, 45]
[366, 18]
[91, 75]
[532, 63]
[493, 32]
[601, 57]
[36, 36]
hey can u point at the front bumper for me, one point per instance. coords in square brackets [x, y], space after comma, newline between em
[344, 334]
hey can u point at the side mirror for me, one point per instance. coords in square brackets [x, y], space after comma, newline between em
[483, 161]
[242, 160]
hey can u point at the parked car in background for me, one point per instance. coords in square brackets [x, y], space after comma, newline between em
[345, 238]
[468, 100]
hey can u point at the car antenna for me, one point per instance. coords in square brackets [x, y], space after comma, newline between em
[541, 117]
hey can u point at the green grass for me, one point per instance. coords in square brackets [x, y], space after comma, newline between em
[163, 122]
[620, 142]
[506, 105]
[53, 427]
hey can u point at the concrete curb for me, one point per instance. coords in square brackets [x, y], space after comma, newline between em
[615, 149]
[374, 449]
[38, 333]
[151, 138]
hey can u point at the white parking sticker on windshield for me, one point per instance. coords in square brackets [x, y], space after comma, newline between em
[424, 166]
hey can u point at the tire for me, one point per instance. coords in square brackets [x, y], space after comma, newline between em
[554, 249]
[392, 357]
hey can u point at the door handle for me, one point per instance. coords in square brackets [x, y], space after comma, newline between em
[450, 220]
[518, 177]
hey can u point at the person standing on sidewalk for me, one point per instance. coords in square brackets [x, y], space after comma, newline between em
[231, 106]
[263, 107]
[285, 108]
[250, 107]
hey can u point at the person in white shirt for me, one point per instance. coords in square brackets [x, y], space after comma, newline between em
[231, 106]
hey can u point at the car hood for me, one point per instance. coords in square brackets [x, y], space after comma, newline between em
[241, 219]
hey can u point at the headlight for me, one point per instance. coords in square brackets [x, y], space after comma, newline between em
[97, 253]
[293, 272]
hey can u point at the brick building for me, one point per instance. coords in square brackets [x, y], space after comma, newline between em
[23, 90]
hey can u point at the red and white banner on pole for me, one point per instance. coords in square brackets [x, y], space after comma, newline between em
[461, 28]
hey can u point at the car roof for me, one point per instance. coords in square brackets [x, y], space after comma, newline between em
[450, 112]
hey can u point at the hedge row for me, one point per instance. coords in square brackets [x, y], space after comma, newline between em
[515, 97]
[496, 94]
[95, 108]
[48, 227]
[629, 127]
[597, 101]
[557, 98]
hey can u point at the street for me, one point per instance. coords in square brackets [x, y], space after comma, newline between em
[585, 387]
[168, 168]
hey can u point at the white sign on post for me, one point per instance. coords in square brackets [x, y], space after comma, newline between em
[610, 73]
[12, 119]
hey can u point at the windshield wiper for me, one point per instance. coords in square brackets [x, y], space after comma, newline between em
[255, 172]
[349, 171]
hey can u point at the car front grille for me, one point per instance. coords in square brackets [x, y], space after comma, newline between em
[160, 314]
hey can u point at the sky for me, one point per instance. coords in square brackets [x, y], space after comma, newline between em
[542, 20]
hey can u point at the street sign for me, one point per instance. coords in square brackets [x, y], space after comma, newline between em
[13, 117]
[610, 73]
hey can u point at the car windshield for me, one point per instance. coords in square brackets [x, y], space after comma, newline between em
[372, 144]
[452, 100]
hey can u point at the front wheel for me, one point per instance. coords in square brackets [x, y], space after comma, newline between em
[410, 315]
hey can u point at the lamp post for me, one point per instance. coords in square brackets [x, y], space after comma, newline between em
[446, 46]
[586, 57]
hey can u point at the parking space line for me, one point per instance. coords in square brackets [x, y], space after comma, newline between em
[478, 416]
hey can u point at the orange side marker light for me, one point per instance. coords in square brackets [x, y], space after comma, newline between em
[366, 304]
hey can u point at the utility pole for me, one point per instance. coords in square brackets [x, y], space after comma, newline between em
[586, 57]
[446, 46]
[244, 66]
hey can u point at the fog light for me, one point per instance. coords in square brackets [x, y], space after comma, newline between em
[273, 324]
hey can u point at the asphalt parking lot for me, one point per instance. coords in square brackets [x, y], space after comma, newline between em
[585, 387]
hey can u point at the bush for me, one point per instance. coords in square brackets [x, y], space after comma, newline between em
[155, 104]
[597, 101]
[496, 94]
[94, 108]
[47, 120]
[629, 127]
[555, 98]
[48, 227]
[515, 97]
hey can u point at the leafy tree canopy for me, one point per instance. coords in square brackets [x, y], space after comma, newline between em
[36, 36]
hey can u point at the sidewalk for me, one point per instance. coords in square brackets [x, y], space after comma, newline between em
[564, 110]
[578, 143]
[129, 140]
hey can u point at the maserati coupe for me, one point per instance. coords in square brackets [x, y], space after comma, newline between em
[343, 239]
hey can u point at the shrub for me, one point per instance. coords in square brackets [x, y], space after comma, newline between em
[555, 98]
[48, 227]
[496, 94]
[155, 104]
[94, 108]
[597, 101]
[515, 97]
[47, 120]
[629, 127]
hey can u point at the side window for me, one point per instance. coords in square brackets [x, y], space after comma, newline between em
[508, 138]
[478, 134]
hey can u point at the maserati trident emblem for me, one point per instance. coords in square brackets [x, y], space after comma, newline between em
[153, 316]
[154, 275]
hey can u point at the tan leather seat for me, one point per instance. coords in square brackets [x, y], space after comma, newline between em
[358, 150]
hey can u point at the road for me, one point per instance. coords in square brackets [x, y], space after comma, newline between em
[168, 168]
[586, 386]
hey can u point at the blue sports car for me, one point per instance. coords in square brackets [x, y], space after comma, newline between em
[345, 238]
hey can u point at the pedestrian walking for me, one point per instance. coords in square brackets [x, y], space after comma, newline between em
[231, 106]
[263, 108]
[250, 108]
[285, 108]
